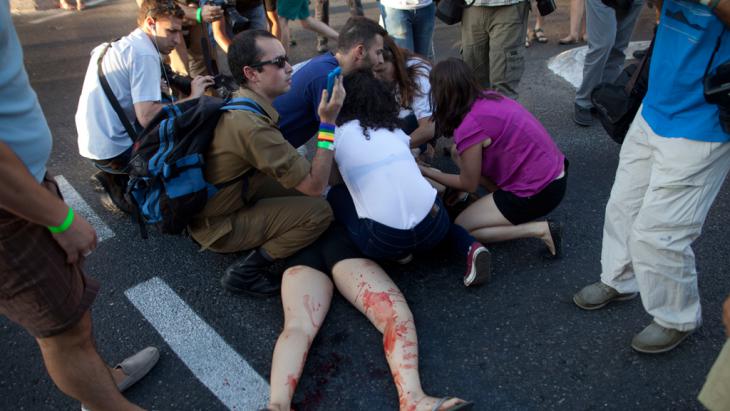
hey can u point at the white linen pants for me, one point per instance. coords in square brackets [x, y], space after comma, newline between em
[663, 189]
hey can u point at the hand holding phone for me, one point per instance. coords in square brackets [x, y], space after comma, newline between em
[331, 81]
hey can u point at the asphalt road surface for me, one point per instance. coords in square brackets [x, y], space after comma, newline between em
[516, 343]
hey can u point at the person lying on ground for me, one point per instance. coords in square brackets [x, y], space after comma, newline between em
[275, 205]
[390, 210]
[306, 294]
[505, 148]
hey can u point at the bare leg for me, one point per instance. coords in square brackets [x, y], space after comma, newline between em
[486, 223]
[284, 32]
[577, 10]
[306, 294]
[77, 370]
[319, 28]
[370, 290]
[274, 28]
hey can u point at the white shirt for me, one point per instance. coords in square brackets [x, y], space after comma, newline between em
[406, 4]
[382, 176]
[421, 104]
[132, 68]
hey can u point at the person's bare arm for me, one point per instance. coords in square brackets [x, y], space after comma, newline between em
[145, 111]
[21, 195]
[220, 35]
[315, 182]
[425, 132]
[470, 173]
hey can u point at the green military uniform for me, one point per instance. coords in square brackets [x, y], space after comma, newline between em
[262, 210]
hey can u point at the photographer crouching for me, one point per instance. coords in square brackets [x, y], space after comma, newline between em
[122, 94]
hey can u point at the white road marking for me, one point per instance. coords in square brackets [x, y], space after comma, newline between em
[569, 64]
[73, 199]
[226, 374]
[54, 14]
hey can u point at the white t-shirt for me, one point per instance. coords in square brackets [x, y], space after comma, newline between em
[406, 4]
[421, 105]
[382, 176]
[132, 68]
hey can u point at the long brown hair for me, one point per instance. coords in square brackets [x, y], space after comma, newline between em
[405, 77]
[454, 89]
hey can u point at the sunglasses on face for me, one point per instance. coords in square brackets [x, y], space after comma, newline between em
[279, 62]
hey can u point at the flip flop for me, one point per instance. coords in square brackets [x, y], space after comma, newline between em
[556, 233]
[463, 406]
[568, 41]
[540, 36]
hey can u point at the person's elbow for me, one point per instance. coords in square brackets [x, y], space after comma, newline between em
[311, 187]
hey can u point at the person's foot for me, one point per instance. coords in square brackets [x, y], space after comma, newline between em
[80, 5]
[597, 295]
[66, 5]
[655, 339]
[111, 189]
[553, 238]
[440, 404]
[248, 275]
[540, 36]
[478, 265]
[582, 116]
[569, 40]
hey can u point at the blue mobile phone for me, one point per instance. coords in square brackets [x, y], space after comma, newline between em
[331, 81]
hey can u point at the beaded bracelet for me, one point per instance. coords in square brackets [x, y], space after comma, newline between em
[65, 224]
[199, 15]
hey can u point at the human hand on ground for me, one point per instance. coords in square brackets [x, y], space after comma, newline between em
[78, 241]
[329, 110]
[199, 84]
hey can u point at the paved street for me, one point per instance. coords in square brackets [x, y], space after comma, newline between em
[517, 343]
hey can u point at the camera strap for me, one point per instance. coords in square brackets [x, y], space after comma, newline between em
[714, 53]
[112, 98]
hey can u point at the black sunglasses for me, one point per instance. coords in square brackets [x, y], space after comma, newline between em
[279, 62]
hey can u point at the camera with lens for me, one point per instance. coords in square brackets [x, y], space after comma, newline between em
[717, 91]
[224, 85]
[234, 19]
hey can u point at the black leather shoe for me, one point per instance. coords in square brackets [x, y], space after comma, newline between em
[582, 116]
[249, 275]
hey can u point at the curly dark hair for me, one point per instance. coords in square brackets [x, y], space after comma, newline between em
[370, 101]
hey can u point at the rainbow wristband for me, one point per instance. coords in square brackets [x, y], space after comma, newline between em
[199, 15]
[326, 145]
[326, 136]
[327, 127]
[65, 224]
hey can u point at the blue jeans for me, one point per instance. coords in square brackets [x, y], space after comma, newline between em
[381, 242]
[411, 29]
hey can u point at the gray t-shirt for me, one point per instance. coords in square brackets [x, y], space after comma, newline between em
[22, 124]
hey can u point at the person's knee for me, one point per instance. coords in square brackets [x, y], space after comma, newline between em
[79, 336]
[302, 324]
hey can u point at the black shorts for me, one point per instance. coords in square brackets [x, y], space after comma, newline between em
[333, 246]
[520, 210]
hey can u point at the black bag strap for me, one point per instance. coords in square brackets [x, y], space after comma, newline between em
[112, 98]
[637, 73]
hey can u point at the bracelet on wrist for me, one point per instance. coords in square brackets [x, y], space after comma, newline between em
[199, 15]
[326, 145]
[65, 224]
[326, 127]
[326, 136]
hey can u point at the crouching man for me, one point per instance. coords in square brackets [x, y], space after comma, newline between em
[131, 67]
[264, 210]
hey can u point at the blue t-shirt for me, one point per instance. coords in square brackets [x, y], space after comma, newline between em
[675, 105]
[22, 124]
[299, 119]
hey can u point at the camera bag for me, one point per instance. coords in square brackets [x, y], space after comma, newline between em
[451, 11]
[617, 103]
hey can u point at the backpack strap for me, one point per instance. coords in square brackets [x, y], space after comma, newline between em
[245, 104]
[112, 98]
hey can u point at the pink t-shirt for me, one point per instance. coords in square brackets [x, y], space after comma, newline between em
[522, 158]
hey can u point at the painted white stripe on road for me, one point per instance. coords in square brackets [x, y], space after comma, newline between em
[60, 13]
[209, 357]
[569, 64]
[73, 199]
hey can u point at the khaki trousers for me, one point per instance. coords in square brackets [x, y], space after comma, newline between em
[279, 220]
[663, 190]
[715, 394]
[493, 43]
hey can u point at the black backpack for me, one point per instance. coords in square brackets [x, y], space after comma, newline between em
[166, 181]
[617, 103]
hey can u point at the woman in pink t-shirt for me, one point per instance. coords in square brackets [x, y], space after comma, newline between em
[503, 147]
